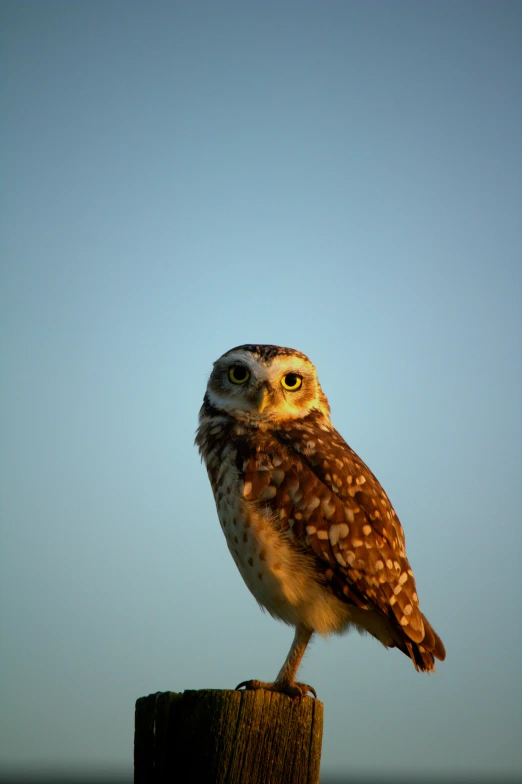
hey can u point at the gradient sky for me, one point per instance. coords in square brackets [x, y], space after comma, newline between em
[182, 177]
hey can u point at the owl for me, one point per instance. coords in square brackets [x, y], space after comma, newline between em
[310, 528]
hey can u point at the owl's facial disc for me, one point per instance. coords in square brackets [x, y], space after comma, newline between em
[251, 386]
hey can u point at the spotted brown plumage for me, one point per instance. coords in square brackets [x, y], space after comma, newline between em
[309, 526]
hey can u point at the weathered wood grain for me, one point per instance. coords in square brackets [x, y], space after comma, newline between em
[227, 737]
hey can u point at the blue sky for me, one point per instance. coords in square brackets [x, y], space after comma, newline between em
[182, 177]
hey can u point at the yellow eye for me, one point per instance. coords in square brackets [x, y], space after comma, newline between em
[238, 374]
[291, 381]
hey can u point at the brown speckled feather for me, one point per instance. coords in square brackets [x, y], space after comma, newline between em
[326, 498]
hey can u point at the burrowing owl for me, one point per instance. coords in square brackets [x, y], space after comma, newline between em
[310, 528]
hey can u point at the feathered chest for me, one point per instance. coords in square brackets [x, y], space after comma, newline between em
[240, 465]
[280, 573]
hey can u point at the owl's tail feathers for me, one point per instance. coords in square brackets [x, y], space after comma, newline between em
[424, 653]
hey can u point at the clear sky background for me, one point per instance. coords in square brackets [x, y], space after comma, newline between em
[181, 177]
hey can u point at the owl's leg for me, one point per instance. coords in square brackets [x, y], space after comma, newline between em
[285, 682]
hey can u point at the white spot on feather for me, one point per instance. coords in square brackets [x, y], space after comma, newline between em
[340, 559]
[338, 531]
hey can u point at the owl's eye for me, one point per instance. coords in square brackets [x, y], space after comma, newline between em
[291, 381]
[238, 374]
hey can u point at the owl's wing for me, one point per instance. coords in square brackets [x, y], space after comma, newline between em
[327, 499]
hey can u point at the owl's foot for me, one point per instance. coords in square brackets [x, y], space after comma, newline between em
[294, 690]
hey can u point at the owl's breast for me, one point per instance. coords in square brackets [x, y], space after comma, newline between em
[279, 574]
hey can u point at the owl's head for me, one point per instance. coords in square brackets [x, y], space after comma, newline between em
[265, 384]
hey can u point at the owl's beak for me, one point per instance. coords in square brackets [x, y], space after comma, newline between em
[262, 399]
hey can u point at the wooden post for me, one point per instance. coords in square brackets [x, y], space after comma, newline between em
[227, 737]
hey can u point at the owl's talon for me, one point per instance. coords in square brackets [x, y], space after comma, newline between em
[310, 689]
[247, 685]
[295, 691]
